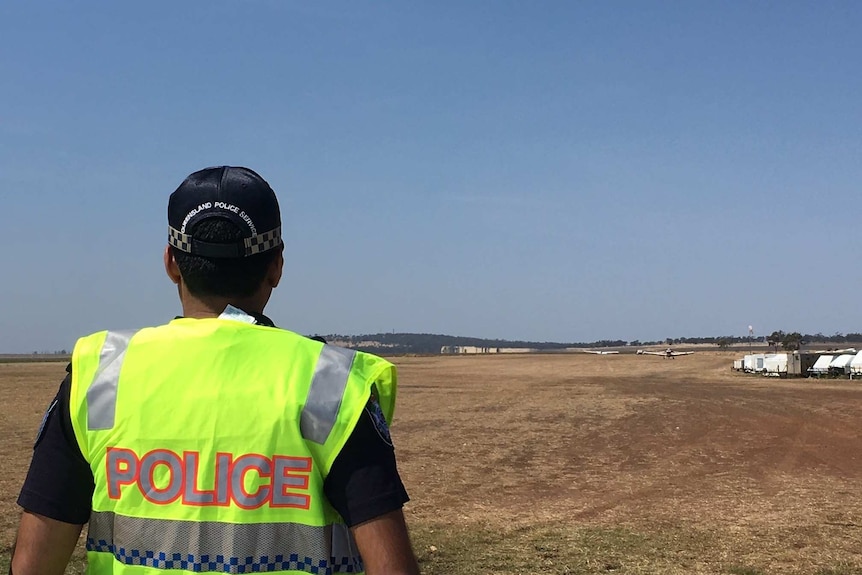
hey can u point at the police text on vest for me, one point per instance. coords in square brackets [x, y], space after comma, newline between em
[248, 481]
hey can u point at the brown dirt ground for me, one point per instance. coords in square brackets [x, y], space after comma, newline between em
[758, 471]
[770, 468]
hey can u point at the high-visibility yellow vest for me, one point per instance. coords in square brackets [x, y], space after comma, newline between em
[210, 440]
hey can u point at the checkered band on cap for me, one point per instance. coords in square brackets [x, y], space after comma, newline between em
[262, 242]
[179, 240]
[250, 246]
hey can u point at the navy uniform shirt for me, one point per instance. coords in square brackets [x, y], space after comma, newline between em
[362, 484]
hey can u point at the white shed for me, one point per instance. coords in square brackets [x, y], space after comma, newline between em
[856, 365]
[841, 364]
[821, 366]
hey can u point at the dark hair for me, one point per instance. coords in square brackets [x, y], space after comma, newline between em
[223, 277]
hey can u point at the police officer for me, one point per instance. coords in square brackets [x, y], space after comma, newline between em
[217, 442]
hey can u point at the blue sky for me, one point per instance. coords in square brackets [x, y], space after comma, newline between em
[564, 171]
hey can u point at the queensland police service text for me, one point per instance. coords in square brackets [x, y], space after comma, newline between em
[221, 205]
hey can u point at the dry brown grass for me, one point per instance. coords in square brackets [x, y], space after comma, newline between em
[595, 464]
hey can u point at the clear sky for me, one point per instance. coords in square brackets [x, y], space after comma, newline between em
[559, 171]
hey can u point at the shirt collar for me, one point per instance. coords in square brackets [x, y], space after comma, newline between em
[259, 319]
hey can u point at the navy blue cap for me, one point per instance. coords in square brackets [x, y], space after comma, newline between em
[237, 194]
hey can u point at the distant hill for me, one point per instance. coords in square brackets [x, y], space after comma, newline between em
[430, 343]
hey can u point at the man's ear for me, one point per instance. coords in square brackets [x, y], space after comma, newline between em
[276, 266]
[171, 267]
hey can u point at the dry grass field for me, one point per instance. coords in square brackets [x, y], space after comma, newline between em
[569, 464]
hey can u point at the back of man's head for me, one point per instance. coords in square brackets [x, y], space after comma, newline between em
[224, 229]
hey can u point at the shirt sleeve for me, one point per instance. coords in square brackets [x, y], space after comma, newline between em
[363, 482]
[59, 483]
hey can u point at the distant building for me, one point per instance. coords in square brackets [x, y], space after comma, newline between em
[474, 350]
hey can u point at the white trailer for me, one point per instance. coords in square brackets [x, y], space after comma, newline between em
[775, 365]
[856, 366]
[753, 363]
[738, 364]
[840, 366]
[821, 366]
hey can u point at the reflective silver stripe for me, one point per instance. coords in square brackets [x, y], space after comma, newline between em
[102, 393]
[326, 391]
[209, 546]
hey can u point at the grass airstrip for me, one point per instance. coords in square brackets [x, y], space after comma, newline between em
[574, 463]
